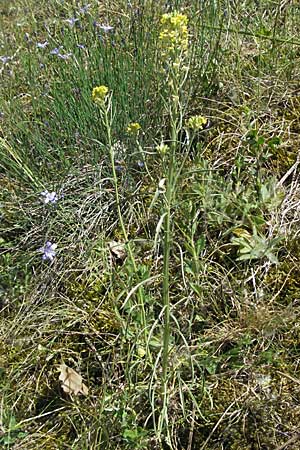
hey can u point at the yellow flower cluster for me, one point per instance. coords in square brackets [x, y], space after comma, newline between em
[133, 128]
[196, 123]
[174, 34]
[99, 94]
[162, 149]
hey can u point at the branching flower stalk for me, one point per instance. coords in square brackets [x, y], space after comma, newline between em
[103, 99]
[174, 44]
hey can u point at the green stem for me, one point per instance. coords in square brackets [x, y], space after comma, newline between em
[166, 260]
[112, 161]
[125, 234]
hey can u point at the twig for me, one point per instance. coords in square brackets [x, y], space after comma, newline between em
[290, 441]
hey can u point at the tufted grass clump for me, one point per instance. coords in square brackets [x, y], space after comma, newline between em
[149, 225]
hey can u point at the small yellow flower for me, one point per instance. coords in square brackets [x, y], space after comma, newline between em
[99, 94]
[141, 351]
[176, 64]
[174, 35]
[162, 149]
[133, 128]
[174, 18]
[242, 233]
[197, 123]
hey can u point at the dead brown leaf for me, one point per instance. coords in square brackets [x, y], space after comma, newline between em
[117, 249]
[72, 381]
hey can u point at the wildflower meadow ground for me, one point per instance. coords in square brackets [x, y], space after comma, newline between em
[149, 219]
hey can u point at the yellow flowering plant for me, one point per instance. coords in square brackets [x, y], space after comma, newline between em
[162, 149]
[173, 51]
[196, 123]
[99, 94]
[133, 128]
[174, 35]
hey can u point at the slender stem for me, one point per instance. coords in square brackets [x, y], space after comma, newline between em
[112, 161]
[125, 234]
[166, 260]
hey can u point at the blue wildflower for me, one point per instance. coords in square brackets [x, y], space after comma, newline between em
[119, 165]
[65, 56]
[49, 197]
[72, 21]
[42, 44]
[48, 251]
[106, 28]
[84, 9]
[5, 59]
[55, 51]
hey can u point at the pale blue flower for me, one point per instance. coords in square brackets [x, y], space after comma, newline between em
[106, 28]
[84, 9]
[49, 197]
[48, 251]
[72, 21]
[42, 44]
[55, 51]
[65, 56]
[5, 59]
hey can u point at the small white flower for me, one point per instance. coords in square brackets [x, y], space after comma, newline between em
[49, 197]
[264, 381]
